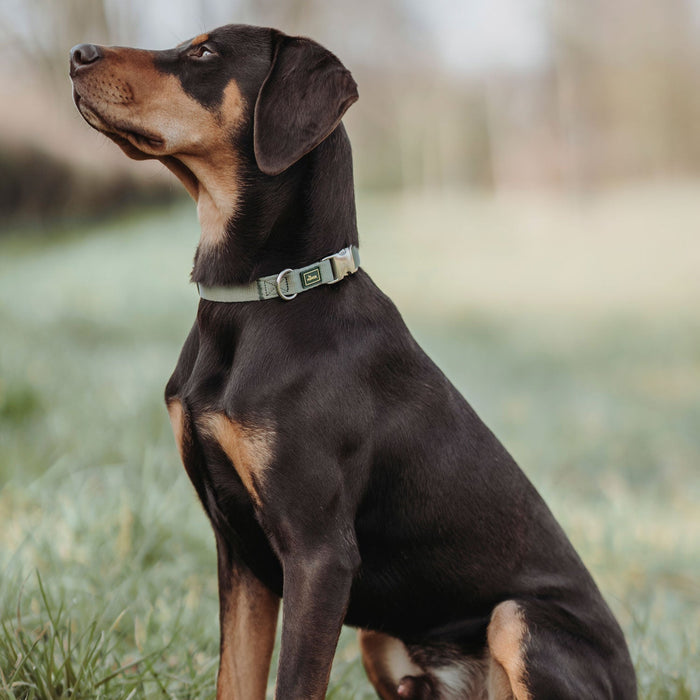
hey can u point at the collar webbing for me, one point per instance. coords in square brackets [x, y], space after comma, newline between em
[288, 283]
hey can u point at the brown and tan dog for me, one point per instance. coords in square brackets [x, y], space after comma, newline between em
[337, 464]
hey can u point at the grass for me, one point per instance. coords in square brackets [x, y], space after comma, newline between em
[590, 378]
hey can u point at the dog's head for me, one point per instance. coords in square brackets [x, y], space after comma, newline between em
[268, 97]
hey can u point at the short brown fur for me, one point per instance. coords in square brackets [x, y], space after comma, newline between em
[250, 449]
[507, 639]
[118, 97]
[177, 421]
[249, 621]
[498, 683]
[200, 39]
[217, 172]
[386, 661]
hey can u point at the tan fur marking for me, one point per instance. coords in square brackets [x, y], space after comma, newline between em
[250, 449]
[199, 39]
[217, 171]
[217, 196]
[247, 639]
[507, 637]
[124, 95]
[498, 683]
[177, 421]
[183, 173]
[232, 105]
[386, 662]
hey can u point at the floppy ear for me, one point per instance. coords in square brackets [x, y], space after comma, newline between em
[301, 101]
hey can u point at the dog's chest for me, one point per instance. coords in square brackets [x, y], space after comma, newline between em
[227, 462]
[222, 450]
[247, 448]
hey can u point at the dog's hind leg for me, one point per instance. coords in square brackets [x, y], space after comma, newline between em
[536, 652]
[386, 661]
[507, 639]
[438, 672]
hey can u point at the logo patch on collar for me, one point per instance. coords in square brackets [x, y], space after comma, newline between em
[311, 277]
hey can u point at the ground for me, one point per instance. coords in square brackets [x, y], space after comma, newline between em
[570, 325]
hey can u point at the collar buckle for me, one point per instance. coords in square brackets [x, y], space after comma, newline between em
[343, 263]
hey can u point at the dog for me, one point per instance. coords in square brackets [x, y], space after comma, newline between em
[338, 466]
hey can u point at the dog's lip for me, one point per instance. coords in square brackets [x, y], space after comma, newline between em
[128, 132]
[144, 137]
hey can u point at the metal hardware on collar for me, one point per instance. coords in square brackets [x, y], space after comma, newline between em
[290, 282]
[278, 281]
[344, 263]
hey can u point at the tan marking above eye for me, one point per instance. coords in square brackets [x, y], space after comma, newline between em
[507, 638]
[249, 448]
[200, 39]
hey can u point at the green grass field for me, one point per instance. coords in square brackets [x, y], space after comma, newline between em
[572, 327]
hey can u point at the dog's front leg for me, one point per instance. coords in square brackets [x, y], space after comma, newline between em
[316, 593]
[248, 618]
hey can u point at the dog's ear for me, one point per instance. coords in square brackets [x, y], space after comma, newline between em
[301, 101]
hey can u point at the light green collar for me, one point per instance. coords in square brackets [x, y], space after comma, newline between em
[288, 283]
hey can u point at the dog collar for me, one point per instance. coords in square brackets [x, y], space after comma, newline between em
[288, 283]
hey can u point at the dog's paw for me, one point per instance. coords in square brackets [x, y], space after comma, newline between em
[415, 688]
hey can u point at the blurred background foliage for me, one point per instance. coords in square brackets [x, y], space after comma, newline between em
[570, 94]
[535, 162]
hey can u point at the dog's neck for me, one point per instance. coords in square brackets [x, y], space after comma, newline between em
[253, 225]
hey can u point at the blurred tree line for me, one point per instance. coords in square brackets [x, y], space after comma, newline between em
[616, 98]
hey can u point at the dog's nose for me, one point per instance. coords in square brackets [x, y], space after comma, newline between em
[84, 54]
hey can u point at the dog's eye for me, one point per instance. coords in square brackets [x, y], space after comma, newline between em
[202, 51]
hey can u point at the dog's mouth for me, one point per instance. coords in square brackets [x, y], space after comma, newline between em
[128, 136]
[141, 138]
